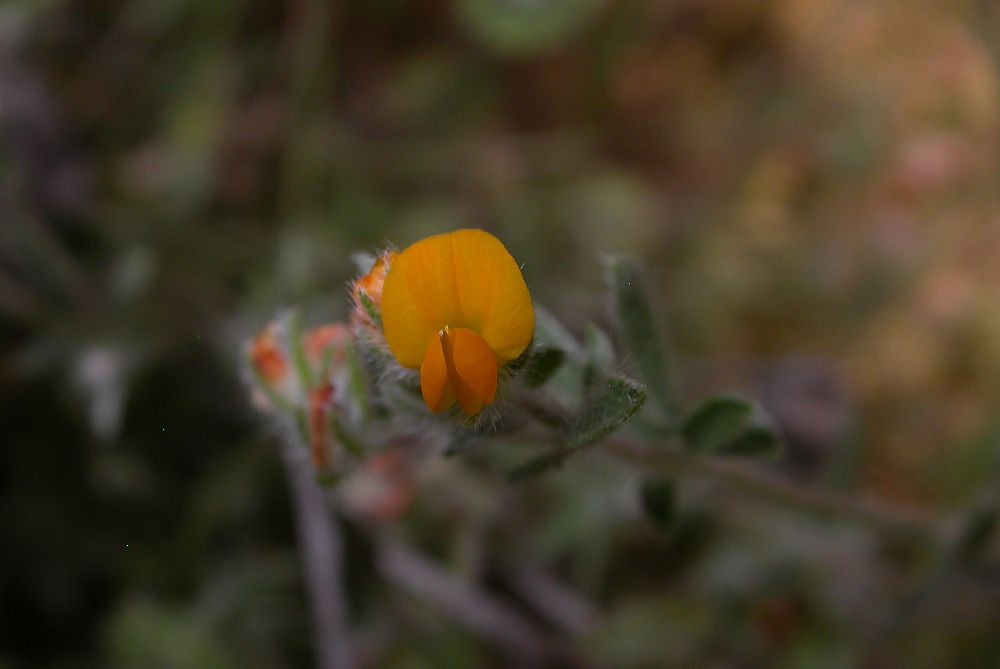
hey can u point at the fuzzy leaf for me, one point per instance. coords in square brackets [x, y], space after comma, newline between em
[551, 333]
[609, 405]
[717, 422]
[541, 365]
[600, 352]
[641, 331]
[730, 425]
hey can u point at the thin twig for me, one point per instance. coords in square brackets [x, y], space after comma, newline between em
[563, 607]
[477, 611]
[321, 552]
[775, 488]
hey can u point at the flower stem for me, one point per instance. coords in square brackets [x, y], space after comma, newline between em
[321, 553]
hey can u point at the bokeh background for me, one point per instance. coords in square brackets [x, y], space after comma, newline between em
[813, 185]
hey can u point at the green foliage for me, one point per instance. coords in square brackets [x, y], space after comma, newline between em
[172, 172]
[550, 332]
[600, 352]
[541, 365]
[717, 422]
[641, 331]
[729, 425]
[610, 404]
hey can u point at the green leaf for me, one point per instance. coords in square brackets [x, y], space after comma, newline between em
[610, 404]
[551, 333]
[730, 425]
[758, 441]
[641, 331]
[659, 501]
[541, 365]
[600, 352]
[717, 422]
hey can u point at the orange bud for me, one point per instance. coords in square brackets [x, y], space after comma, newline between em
[370, 286]
[315, 342]
[268, 358]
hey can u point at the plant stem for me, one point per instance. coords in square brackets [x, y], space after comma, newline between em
[476, 610]
[765, 485]
[321, 553]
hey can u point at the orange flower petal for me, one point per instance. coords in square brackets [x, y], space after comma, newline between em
[316, 341]
[494, 298]
[475, 365]
[460, 365]
[464, 279]
[434, 378]
[419, 298]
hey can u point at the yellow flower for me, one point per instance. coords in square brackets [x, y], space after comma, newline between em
[456, 307]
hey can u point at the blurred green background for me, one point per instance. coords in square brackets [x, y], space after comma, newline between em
[813, 185]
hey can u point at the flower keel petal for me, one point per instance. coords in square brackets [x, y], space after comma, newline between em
[475, 364]
[434, 379]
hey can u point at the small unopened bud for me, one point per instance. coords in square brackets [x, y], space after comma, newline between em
[320, 437]
[367, 293]
[332, 337]
[267, 356]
